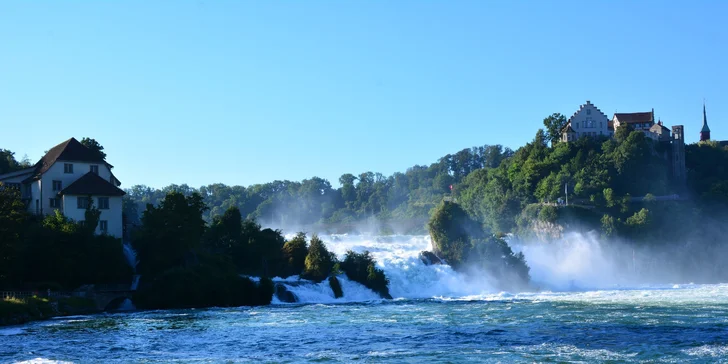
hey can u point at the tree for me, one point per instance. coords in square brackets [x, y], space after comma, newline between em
[294, 253]
[451, 230]
[13, 218]
[319, 262]
[361, 267]
[170, 232]
[553, 124]
[8, 163]
[94, 146]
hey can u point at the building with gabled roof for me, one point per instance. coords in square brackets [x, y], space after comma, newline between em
[67, 179]
[637, 120]
[587, 121]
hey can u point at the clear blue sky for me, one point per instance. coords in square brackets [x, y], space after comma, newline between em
[244, 92]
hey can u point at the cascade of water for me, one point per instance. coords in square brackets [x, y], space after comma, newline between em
[135, 282]
[130, 255]
[578, 261]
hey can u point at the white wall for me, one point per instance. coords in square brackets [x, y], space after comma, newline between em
[112, 215]
[56, 173]
[590, 121]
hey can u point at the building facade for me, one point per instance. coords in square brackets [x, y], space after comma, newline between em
[68, 179]
[587, 121]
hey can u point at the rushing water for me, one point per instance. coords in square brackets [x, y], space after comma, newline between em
[437, 315]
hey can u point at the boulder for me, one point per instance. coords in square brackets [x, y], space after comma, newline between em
[284, 295]
[429, 258]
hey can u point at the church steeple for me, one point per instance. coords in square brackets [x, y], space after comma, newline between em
[705, 132]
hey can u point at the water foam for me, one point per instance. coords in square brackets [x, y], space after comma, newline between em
[311, 292]
[577, 267]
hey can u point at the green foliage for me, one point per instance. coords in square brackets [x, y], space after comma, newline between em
[609, 226]
[336, 287]
[170, 233]
[707, 165]
[319, 262]
[464, 245]
[361, 267]
[94, 146]
[451, 229]
[493, 255]
[553, 124]
[402, 198]
[548, 213]
[55, 249]
[294, 254]
[13, 224]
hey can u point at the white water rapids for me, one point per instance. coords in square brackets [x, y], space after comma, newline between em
[576, 263]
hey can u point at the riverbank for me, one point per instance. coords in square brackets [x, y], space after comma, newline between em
[16, 311]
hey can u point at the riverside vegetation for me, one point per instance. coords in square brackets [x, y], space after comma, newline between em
[194, 244]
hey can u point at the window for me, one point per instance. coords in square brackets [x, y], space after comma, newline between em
[67, 168]
[588, 111]
[82, 202]
[94, 169]
[104, 225]
[600, 125]
[103, 203]
[57, 185]
[56, 203]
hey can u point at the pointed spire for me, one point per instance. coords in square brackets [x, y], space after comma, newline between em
[705, 131]
[705, 121]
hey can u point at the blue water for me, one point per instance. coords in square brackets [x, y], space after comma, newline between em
[667, 325]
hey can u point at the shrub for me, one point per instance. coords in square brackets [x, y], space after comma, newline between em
[451, 229]
[361, 268]
[294, 254]
[319, 262]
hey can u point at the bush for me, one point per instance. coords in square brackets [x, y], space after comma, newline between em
[451, 229]
[463, 243]
[361, 268]
[494, 256]
[548, 214]
[294, 254]
[319, 262]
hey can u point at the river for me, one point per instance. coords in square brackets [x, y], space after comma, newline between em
[584, 310]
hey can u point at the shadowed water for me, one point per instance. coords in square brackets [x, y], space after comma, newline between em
[438, 315]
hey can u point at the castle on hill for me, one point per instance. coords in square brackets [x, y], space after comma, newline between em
[589, 121]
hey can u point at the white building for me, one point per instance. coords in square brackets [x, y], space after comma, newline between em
[587, 121]
[64, 179]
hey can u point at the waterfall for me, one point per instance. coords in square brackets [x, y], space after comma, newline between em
[135, 282]
[130, 255]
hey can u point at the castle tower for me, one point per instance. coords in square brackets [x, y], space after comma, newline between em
[678, 154]
[705, 131]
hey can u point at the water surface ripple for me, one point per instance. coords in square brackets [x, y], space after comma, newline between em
[662, 324]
